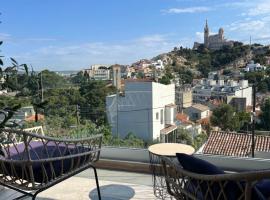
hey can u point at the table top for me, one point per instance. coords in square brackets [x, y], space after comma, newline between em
[170, 149]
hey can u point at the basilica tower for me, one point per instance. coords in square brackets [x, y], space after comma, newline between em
[206, 35]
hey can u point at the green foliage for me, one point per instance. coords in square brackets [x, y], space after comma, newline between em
[226, 118]
[94, 94]
[184, 136]
[265, 115]
[254, 77]
[259, 78]
[185, 75]
[165, 80]
[209, 60]
[52, 80]
[140, 75]
[80, 78]
[199, 140]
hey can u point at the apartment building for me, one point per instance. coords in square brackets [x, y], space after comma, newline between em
[146, 108]
[209, 89]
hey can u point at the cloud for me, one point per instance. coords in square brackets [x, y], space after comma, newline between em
[5, 36]
[261, 8]
[247, 25]
[39, 39]
[78, 56]
[187, 10]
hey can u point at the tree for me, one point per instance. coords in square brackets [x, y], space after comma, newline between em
[199, 140]
[165, 80]
[225, 118]
[51, 79]
[265, 115]
[80, 78]
[184, 136]
[140, 75]
[94, 94]
[263, 86]
[254, 77]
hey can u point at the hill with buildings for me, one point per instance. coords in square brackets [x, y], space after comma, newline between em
[205, 60]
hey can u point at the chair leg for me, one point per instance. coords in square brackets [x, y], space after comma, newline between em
[35, 195]
[96, 177]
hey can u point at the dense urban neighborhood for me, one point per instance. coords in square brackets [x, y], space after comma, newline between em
[139, 100]
[179, 96]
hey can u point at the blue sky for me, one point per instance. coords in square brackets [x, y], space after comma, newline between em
[73, 34]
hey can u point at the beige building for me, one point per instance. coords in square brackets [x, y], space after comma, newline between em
[214, 42]
[197, 112]
[183, 97]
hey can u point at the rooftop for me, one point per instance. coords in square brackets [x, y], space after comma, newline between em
[200, 107]
[114, 185]
[235, 144]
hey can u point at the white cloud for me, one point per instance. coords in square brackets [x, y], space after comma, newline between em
[78, 56]
[198, 9]
[260, 8]
[4, 36]
[247, 25]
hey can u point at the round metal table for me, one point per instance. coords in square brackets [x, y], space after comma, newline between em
[168, 150]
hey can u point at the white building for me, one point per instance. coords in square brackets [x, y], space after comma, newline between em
[197, 112]
[158, 64]
[252, 66]
[146, 109]
[211, 89]
[98, 72]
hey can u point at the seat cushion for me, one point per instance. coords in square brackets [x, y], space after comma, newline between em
[263, 189]
[44, 171]
[196, 165]
[199, 166]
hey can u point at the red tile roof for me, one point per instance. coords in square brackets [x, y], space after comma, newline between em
[182, 117]
[235, 144]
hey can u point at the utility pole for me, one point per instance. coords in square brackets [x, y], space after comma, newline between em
[41, 86]
[78, 114]
[253, 118]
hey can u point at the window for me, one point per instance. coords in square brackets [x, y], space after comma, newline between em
[156, 115]
[161, 116]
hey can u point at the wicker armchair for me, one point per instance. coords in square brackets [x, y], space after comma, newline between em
[31, 163]
[183, 184]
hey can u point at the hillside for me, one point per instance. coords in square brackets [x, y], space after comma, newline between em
[205, 60]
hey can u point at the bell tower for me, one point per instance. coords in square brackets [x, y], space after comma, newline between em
[206, 35]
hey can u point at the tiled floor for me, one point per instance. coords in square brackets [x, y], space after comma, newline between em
[114, 185]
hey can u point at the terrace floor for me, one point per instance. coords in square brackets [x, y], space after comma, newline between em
[114, 185]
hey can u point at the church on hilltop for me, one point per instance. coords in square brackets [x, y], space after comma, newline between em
[213, 42]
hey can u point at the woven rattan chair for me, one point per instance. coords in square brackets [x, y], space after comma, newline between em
[31, 163]
[183, 184]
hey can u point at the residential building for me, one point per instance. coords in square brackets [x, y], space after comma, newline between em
[182, 121]
[158, 64]
[252, 66]
[183, 97]
[239, 103]
[98, 72]
[214, 42]
[22, 115]
[209, 89]
[197, 112]
[146, 109]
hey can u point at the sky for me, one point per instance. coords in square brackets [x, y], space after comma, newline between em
[74, 34]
